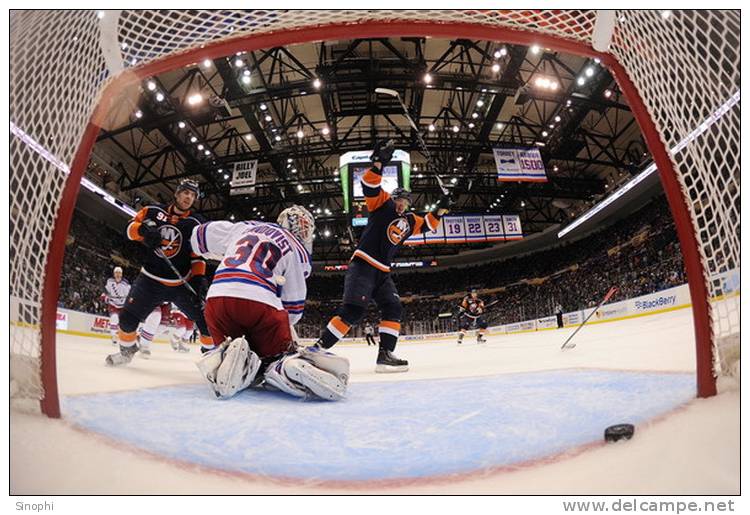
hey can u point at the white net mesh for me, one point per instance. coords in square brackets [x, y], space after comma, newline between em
[686, 67]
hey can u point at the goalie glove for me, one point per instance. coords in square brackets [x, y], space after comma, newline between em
[383, 152]
[150, 233]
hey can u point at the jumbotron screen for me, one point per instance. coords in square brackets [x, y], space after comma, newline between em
[389, 182]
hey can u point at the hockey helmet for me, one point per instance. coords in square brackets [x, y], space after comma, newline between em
[300, 222]
[401, 193]
[116, 270]
[190, 185]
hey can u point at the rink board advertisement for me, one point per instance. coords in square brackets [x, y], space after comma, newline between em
[546, 322]
[678, 297]
[61, 321]
[76, 322]
[100, 324]
[659, 302]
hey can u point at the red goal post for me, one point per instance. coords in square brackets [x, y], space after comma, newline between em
[69, 67]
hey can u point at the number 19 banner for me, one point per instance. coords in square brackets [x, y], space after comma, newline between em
[519, 164]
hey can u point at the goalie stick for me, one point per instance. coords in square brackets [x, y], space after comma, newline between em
[609, 294]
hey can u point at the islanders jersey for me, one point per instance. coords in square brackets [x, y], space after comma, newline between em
[175, 232]
[472, 307]
[257, 261]
[116, 292]
[386, 229]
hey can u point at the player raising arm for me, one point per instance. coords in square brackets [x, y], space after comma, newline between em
[258, 293]
[368, 276]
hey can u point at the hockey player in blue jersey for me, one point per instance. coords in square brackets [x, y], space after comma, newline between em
[368, 276]
[165, 231]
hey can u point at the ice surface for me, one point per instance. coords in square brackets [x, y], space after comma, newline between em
[443, 416]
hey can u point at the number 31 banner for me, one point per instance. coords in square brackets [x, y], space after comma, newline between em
[519, 164]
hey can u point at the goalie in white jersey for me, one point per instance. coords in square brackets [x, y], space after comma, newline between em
[116, 291]
[257, 295]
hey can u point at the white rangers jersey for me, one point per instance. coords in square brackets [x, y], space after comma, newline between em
[117, 292]
[258, 261]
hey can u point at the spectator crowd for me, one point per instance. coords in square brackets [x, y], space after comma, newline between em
[638, 254]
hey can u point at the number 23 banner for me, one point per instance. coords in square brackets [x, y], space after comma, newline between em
[519, 164]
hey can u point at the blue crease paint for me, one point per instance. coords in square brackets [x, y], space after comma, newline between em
[405, 429]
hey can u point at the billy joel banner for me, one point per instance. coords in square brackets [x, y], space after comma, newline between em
[243, 177]
[519, 164]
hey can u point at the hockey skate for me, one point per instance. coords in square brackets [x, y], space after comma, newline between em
[481, 339]
[388, 363]
[144, 349]
[123, 357]
[179, 345]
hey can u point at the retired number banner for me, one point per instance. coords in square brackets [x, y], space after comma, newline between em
[519, 164]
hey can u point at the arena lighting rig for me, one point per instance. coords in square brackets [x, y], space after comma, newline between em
[46, 154]
[632, 183]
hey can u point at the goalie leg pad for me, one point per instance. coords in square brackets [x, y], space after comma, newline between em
[327, 361]
[298, 376]
[230, 368]
[276, 377]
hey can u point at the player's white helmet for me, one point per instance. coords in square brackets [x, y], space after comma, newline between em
[117, 271]
[300, 222]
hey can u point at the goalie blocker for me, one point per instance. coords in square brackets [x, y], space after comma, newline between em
[305, 373]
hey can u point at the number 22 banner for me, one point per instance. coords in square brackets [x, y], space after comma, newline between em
[519, 164]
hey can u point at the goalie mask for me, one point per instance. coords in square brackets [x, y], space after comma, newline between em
[298, 221]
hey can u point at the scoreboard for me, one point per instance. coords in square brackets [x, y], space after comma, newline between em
[353, 165]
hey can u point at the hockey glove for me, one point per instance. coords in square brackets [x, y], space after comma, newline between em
[383, 152]
[200, 285]
[151, 234]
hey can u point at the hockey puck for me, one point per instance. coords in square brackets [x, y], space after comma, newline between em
[619, 432]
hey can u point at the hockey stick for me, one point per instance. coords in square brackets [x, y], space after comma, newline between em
[161, 254]
[422, 145]
[447, 190]
[492, 304]
[609, 294]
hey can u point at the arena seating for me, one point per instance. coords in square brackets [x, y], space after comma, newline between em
[639, 254]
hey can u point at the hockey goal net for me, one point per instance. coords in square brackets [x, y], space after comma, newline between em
[679, 71]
